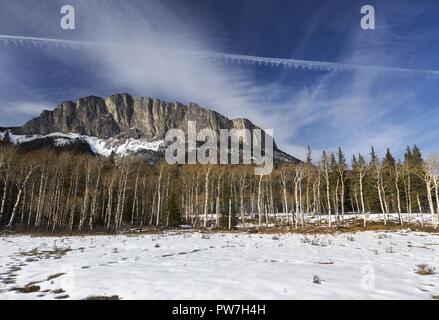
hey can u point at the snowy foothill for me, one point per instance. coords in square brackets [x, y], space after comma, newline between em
[192, 265]
[103, 147]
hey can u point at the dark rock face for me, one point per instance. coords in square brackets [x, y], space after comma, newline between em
[128, 116]
[122, 113]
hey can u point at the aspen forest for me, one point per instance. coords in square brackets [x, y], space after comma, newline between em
[50, 191]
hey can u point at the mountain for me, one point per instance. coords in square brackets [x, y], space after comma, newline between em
[123, 124]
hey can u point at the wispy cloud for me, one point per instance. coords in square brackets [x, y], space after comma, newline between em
[237, 58]
[350, 102]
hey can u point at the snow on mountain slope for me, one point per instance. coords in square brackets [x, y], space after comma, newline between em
[104, 147]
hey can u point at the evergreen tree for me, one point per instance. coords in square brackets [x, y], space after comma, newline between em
[341, 159]
[416, 156]
[341, 168]
[333, 168]
[370, 190]
[309, 156]
[408, 157]
[389, 160]
[173, 211]
[354, 162]
[389, 179]
[373, 157]
[418, 186]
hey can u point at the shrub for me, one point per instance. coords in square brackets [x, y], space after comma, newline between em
[316, 280]
[173, 212]
[424, 269]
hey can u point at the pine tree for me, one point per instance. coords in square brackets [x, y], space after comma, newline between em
[341, 158]
[417, 156]
[408, 157]
[373, 157]
[389, 160]
[418, 186]
[389, 178]
[308, 156]
[371, 192]
[173, 211]
[341, 168]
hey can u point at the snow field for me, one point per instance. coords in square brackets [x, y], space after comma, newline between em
[191, 265]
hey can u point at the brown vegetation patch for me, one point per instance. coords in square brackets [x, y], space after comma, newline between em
[424, 269]
[351, 227]
[54, 253]
[54, 276]
[58, 291]
[114, 297]
[326, 262]
[28, 289]
[317, 280]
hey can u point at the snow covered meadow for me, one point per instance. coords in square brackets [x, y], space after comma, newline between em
[192, 265]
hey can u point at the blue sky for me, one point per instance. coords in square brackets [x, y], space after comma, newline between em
[157, 55]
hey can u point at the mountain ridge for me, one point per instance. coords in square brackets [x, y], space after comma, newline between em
[124, 117]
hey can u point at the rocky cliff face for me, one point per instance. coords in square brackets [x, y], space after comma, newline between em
[122, 113]
[126, 116]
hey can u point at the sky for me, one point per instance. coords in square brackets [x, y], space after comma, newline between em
[336, 85]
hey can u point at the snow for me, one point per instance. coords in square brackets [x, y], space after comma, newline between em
[104, 147]
[191, 265]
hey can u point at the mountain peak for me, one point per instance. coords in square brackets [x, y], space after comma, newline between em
[130, 116]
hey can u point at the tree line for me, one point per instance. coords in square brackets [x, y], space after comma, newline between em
[49, 190]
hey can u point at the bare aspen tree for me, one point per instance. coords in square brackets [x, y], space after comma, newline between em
[85, 205]
[159, 195]
[5, 165]
[341, 169]
[95, 198]
[420, 210]
[398, 195]
[242, 187]
[260, 201]
[324, 168]
[284, 172]
[206, 192]
[430, 176]
[425, 173]
[20, 188]
[362, 170]
[406, 177]
[135, 200]
[380, 188]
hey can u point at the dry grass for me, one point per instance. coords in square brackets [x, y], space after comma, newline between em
[58, 291]
[54, 276]
[424, 269]
[114, 297]
[317, 280]
[28, 289]
[351, 226]
[54, 253]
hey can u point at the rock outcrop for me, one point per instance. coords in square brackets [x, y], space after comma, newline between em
[122, 115]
